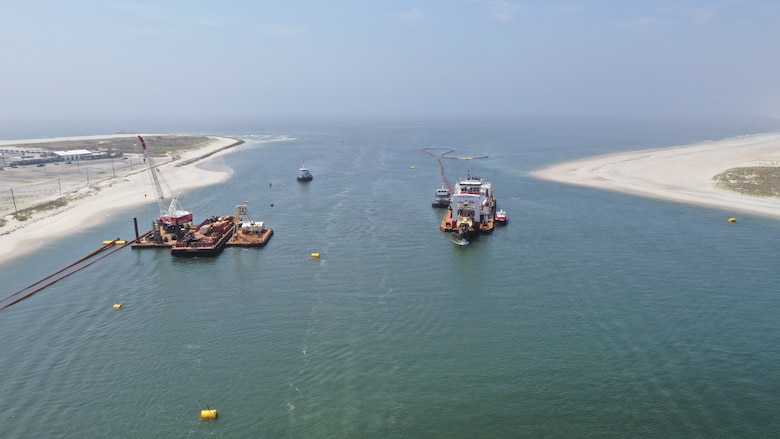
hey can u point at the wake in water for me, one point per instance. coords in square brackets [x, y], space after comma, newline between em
[457, 239]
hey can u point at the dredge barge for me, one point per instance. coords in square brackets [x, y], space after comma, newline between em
[208, 239]
[472, 209]
[173, 221]
[174, 229]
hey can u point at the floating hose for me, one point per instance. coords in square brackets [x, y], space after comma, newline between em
[441, 165]
[85, 258]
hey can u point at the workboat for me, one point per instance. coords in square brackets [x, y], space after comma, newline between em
[304, 174]
[207, 239]
[473, 208]
[501, 216]
[442, 197]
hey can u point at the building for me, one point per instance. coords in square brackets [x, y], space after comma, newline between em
[79, 154]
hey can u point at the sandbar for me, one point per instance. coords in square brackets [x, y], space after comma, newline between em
[680, 173]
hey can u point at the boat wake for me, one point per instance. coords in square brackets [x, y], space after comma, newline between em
[457, 239]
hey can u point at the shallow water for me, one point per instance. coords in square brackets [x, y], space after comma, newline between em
[590, 314]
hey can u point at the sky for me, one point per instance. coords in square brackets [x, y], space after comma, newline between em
[151, 65]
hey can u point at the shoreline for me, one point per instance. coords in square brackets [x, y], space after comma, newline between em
[679, 173]
[98, 202]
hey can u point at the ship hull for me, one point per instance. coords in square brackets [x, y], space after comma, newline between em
[448, 224]
[190, 252]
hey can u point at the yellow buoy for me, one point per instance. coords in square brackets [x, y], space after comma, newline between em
[209, 414]
[107, 242]
[732, 220]
[120, 242]
[117, 305]
[315, 255]
[411, 167]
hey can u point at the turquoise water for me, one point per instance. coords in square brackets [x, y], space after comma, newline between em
[591, 314]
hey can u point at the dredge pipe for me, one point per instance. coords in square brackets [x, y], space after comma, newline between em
[105, 246]
[31, 293]
[441, 165]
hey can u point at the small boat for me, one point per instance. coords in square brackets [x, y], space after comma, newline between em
[459, 240]
[501, 216]
[304, 174]
[207, 239]
[442, 198]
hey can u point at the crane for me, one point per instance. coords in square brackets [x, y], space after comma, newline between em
[173, 214]
[158, 194]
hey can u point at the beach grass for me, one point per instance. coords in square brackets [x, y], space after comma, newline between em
[756, 181]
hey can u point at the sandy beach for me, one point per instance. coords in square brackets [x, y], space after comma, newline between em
[105, 197]
[682, 173]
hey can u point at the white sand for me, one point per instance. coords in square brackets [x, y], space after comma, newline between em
[682, 173]
[18, 237]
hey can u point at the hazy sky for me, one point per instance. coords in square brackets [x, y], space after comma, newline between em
[140, 61]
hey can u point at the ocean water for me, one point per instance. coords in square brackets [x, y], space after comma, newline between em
[591, 314]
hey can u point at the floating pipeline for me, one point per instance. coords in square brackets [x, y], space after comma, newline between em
[74, 267]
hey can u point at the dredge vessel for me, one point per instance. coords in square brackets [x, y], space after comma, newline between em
[472, 209]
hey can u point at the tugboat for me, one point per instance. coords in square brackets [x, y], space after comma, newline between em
[442, 198]
[304, 174]
[473, 208]
[207, 239]
[501, 216]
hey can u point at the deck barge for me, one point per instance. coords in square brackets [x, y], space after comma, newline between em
[208, 239]
[251, 238]
[158, 237]
[248, 233]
